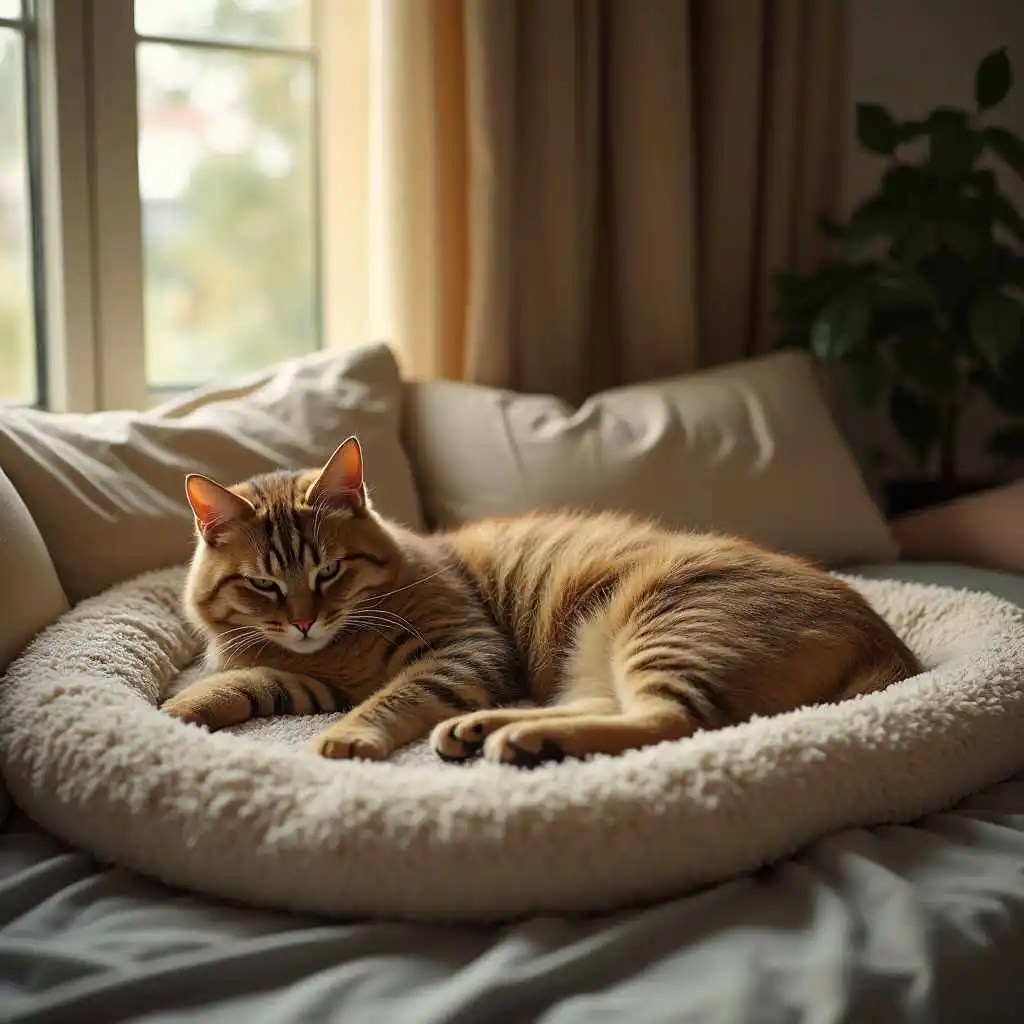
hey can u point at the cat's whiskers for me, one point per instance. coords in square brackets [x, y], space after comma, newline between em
[398, 590]
[364, 626]
[240, 644]
[394, 620]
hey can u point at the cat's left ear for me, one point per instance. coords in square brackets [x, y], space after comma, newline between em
[340, 483]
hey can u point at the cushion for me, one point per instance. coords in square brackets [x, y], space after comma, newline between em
[251, 815]
[30, 593]
[107, 489]
[984, 529]
[748, 448]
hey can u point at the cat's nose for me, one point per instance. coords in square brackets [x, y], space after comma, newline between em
[303, 625]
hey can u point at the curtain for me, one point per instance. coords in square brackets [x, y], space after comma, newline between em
[563, 195]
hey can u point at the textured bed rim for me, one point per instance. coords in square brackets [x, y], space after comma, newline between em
[86, 755]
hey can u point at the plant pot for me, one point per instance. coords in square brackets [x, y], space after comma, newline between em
[910, 495]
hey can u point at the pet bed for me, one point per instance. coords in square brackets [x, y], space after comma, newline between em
[252, 816]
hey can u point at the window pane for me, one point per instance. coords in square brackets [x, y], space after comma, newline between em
[10, 8]
[227, 184]
[273, 22]
[17, 314]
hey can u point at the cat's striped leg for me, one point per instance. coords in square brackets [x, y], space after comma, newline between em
[650, 716]
[433, 689]
[228, 698]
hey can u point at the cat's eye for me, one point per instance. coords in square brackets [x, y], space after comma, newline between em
[261, 583]
[328, 570]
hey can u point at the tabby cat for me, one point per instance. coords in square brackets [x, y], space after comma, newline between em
[624, 634]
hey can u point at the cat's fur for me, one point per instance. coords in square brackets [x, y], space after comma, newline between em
[625, 634]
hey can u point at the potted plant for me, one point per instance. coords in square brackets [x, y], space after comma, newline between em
[925, 306]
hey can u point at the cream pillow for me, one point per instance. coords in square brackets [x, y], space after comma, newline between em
[107, 489]
[30, 593]
[748, 448]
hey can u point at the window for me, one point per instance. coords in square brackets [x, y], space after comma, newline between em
[20, 283]
[160, 169]
[227, 178]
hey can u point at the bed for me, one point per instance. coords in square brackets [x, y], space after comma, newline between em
[901, 923]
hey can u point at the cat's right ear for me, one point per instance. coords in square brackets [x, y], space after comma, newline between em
[216, 508]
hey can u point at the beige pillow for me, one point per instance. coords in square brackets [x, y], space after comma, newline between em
[748, 448]
[30, 593]
[984, 529]
[107, 489]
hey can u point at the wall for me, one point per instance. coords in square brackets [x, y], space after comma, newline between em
[913, 55]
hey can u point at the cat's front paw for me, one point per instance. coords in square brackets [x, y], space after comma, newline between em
[188, 711]
[351, 742]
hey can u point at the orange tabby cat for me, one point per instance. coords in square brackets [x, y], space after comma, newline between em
[625, 634]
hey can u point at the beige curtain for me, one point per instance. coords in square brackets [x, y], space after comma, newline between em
[561, 195]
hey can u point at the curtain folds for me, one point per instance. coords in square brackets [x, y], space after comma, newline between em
[563, 195]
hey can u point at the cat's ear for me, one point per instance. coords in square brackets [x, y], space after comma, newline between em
[340, 483]
[216, 508]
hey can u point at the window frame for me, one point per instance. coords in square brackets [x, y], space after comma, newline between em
[90, 296]
[26, 25]
[67, 225]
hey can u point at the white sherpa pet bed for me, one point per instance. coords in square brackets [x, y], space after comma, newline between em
[253, 816]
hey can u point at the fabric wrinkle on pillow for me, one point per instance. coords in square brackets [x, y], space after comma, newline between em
[748, 448]
[107, 489]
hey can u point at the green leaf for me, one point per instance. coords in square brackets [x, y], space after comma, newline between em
[995, 326]
[899, 286]
[916, 419]
[919, 242]
[961, 239]
[876, 217]
[903, 181]
[871, 209]
[1006, 388]
[869, 372]
[840, 327]
[992, 80]
[1009, 146]
[876, 130]
[801, 296]
[1008, 442]
[927, 363]
[954, 144]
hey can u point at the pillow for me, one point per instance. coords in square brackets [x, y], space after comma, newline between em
[30, 593]
[747, 448]
[107, 489]
[984, 529]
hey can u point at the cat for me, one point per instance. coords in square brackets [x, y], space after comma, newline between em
[623, 633]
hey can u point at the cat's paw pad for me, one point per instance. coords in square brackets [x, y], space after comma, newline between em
[457, 739]
[522, 746]
[351, 744]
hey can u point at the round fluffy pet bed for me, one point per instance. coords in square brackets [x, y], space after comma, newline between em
[253, 816]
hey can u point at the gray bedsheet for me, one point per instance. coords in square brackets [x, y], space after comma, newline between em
[912, 923]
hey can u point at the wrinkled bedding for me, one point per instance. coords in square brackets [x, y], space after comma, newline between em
[897, 923]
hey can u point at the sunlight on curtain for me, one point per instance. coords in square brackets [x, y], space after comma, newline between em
[381, 144]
